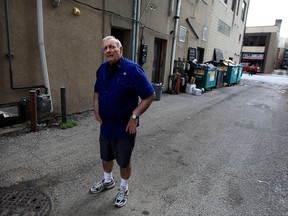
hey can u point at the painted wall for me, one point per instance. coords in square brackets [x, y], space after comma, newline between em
[72, 50]
[230, 45]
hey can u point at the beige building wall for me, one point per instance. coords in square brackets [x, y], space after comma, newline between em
[156, 24]
[194, 17]
[229, 44]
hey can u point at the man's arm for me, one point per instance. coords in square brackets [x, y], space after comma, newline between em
[139, 110]
[96, 107]
[144, 105]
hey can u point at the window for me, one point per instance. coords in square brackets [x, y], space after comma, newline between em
[254, 41]
[224, 28]
[205, 33]
[243, 12]
[182, 34]
[233, 7]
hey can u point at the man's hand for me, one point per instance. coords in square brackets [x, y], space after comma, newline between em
[98, 118]
[132, 126]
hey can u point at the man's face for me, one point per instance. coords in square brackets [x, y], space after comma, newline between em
[111, 51]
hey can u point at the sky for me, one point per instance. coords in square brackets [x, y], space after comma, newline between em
[265, 13]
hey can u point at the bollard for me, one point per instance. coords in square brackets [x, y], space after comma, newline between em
[33, 110]
[63, 104]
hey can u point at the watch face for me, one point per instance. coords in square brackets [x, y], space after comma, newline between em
[134, 116]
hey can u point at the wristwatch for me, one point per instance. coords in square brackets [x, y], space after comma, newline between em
[134, 117]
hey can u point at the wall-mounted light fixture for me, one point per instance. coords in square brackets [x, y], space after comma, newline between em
[55, 3]
[76, 11]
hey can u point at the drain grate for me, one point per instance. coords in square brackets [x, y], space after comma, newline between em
[24, 201]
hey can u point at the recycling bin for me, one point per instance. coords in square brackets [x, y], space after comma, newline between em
[239, 75]
[205, 77]
[158, 90]
[231, 74]
[220, 77]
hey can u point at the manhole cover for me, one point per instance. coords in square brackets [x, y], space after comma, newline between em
[24, 201]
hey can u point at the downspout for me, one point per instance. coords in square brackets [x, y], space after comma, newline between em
[177, 16]
[137, 29]
[42, 49]
[134, 29]
[171, 5]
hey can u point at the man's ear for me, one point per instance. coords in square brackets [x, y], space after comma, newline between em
[121, 49]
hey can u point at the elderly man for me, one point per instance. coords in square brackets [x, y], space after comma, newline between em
[119, 84]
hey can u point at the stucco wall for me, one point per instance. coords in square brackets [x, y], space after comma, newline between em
[73, 51]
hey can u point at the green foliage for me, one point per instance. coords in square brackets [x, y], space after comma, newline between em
[68, 124]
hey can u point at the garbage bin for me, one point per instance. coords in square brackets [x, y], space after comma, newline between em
[239, 75]
[158, 90]
[231, 74]
[205, 77]
[220, 76]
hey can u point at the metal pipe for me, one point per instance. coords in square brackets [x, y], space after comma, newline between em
[137, 29]
[63, 104]
[10, 54]
[33, 110]
[42, 48]
[134, 29]
[177, 16]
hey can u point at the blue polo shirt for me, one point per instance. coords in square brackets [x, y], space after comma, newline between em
[119, 87]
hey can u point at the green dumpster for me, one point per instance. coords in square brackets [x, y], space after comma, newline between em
[239, 75]
[231, 74]
[220, 77]
[205, 77]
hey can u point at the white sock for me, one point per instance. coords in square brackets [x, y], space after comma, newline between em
[107, 177]
[124, 183]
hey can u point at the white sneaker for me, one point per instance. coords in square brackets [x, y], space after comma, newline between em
[101, 186]
[122, 197]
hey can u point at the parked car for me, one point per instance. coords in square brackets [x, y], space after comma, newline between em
[248, 67]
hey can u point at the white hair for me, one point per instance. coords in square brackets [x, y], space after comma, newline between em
[113, 38]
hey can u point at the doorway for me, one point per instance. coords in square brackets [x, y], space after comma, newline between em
[200, 54]
[159, 56]
[124, 36]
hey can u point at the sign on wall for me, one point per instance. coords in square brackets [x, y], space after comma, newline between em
[182, 34]
[253, 56]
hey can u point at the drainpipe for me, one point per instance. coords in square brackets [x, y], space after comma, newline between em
[134, 29]
[137, 29]
[177, 16]
[42, 48]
